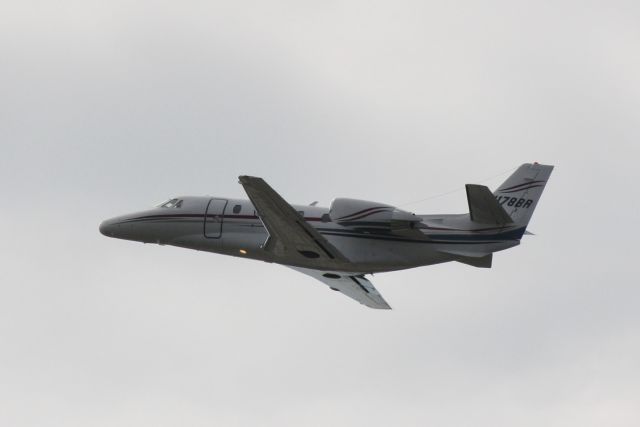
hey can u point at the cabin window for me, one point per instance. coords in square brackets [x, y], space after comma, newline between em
[237, 209]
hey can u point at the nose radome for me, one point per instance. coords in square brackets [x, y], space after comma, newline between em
[106, 227]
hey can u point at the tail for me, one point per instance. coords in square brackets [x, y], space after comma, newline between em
[520, 194]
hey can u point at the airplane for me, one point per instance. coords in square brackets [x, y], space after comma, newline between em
[351, 239]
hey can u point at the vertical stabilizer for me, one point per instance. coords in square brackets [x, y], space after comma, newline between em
[520, 194]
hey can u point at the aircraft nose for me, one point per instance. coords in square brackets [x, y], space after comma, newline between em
[107, 227]
[121, 227]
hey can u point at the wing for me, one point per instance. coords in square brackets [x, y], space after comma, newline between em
[353, 286]
[290, 236]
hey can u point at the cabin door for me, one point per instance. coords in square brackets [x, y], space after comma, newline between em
[214, 217]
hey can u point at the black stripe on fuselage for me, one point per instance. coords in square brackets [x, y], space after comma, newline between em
[375, 234]
[399, 239]
[201, 217]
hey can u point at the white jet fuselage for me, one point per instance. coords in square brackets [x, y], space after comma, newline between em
[339, 245]
[232, 227]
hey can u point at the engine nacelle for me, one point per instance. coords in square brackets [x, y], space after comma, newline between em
[346, 211]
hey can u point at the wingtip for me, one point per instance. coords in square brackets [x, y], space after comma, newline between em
[245, 179]
[378, 305]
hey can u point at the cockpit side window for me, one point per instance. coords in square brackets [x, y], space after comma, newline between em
[173, 203]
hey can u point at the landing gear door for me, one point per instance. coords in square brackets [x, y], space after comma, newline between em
[213, 218]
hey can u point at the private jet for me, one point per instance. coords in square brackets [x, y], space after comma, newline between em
[351, 239]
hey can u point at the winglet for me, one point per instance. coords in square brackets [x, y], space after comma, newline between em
[484, 208]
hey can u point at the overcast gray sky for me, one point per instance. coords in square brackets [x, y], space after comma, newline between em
[110, 107]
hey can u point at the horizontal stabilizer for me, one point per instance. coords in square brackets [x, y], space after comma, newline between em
[484, 208]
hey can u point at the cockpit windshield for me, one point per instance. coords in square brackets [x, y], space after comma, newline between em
[173, 203]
